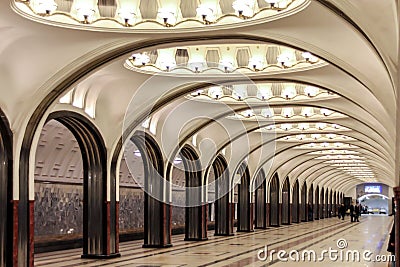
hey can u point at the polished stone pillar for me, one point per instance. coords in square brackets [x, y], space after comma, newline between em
[157, 223]
[224, 212]
[245, 210]
[196, 223]
[260, 208]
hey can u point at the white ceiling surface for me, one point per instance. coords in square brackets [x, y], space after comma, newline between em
[34, 58]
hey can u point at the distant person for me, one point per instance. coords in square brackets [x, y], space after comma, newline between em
[391, 244]
[351, 212]
[342, 211]
[357, 211]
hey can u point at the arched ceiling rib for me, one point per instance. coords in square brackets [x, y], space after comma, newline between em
[359, 76]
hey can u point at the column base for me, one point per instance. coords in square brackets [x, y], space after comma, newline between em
[232, 234]
[196, 239]
[111, 256]
[245, 231]
[156, 246]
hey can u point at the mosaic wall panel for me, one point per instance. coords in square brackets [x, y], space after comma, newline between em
[131, 217]
[132, 210]
[58, 211]
[178, 211]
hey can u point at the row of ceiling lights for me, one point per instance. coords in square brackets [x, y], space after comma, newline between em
[256, 63]
[306, 126]
[264, 92]
[85, 11]
[285, 112]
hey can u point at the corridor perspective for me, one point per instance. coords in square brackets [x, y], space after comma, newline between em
[199, 133]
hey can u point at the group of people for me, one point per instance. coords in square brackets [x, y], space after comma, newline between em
[355, 212]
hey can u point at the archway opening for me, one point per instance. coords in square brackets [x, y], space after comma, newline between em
[131, 194]
[316, 204]
[296, 203]
[322, 204]
[195, 209]
[157, 213]
[275, 209]
[59, 189]
[327, 202]
[98, 233]
[304, 204]
[260, 201]
[224, 210]
[245, 210]
[310, 206]
[286, 202]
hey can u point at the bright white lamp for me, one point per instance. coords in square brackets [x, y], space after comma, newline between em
[45, 7]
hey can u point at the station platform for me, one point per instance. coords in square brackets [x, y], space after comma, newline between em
[369, 238]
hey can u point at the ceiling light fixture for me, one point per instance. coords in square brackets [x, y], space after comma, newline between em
[311, 91]
[168, 16]
[226, 65]
[245, 8]
[206, 13]
[303, 126]
[264, 92]
[267, 112]
[309, 57]
[273, 3]
[85, 13]
[286, 126]
[44, 7]
[289, 92]
[127, 16]
[140, 59]
[307, 111]
[215, 92]
[287, 112]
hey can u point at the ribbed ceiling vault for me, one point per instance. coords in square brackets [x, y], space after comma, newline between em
[85, 71]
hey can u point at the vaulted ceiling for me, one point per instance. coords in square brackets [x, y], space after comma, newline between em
[307, 89]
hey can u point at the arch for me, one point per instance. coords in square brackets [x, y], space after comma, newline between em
[97, 228]
[286, 212]
[316, 203]
[195, 214]
[275, 208]
[304, 204]
[224, 210]
[34, 120]
[7, 204]
[296, 203]
[245, 208]
[157, 214]
[260, 201]
[311, 209]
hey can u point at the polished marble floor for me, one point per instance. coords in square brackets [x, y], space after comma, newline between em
[303, 244]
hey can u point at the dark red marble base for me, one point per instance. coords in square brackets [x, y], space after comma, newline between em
[117, 227]
[31, 232]
[108, 229]
[15, 232]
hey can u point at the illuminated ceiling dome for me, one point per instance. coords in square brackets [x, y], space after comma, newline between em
[155, 14]
[219, 58]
